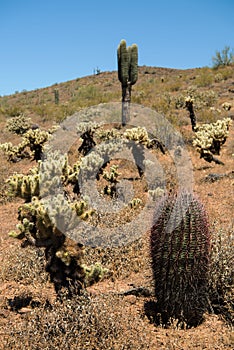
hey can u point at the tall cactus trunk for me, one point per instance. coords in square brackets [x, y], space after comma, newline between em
[189, 106]
[127, 74]
[126, 100]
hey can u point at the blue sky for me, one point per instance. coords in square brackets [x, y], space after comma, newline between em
[45, 42]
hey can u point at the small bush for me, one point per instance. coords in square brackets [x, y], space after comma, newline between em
[221, 284]
[223, 58]
[100, 323]
[204, 79]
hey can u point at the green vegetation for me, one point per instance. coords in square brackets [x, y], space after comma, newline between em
[18, 124]
[127, 74]
[112, 179]
[44, 222]
[223, 58]
[209, 139]
[56, 96]
[192, 275]
[31, 145]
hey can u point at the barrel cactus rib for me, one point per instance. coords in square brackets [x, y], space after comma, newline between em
[180, 258]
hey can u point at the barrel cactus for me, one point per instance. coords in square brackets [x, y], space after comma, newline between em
[180, 249]
[127, 74]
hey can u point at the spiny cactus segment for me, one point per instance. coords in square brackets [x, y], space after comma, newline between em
[135, 203]
[43, 223]
[209, 139]
[87, 130]
[33, 141]
[18, 124]
[24, 186]
[180, 251]
[112, 178]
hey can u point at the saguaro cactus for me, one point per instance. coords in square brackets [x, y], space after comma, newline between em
[56, 96]
[189, 105]
[127, 74]
[180, 246]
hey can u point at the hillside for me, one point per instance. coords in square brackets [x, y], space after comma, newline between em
[118, 312]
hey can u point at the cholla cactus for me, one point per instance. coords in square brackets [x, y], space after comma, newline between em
[210, 137]
[156, 193]
[87, 126]
[15, 153]
[135, 203]
[54, 172]
[43, 223]
[47, 216]
[138, 134]
[82, 210]
[189, 105]
[180, 250]
[24, 186]
[90, 166]
[108, 134]
[33, 140]
[87, 130]
[94, 273]
[202, 99]
[18, 125]
[227, 106]
[112, 178]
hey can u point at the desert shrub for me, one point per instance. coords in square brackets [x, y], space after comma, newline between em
[201, 99]
[30, 266]
[208, 115]
[204, 79]
[89, 92]
[218, 77]
[12, 111]
[162, 103]
[223, 58]
[221, 284]
[101, 323]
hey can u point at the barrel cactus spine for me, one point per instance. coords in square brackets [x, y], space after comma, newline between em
[180, 252]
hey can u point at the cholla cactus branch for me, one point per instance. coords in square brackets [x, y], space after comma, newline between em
[18, 124]
[112, 178]
[87, 131]
[209, 139]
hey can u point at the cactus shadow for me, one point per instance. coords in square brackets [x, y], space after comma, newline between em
[152, 312]
[156, 317]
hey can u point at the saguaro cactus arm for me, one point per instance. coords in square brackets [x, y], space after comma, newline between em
[123, 63]
[127, 74]
[133, 64]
